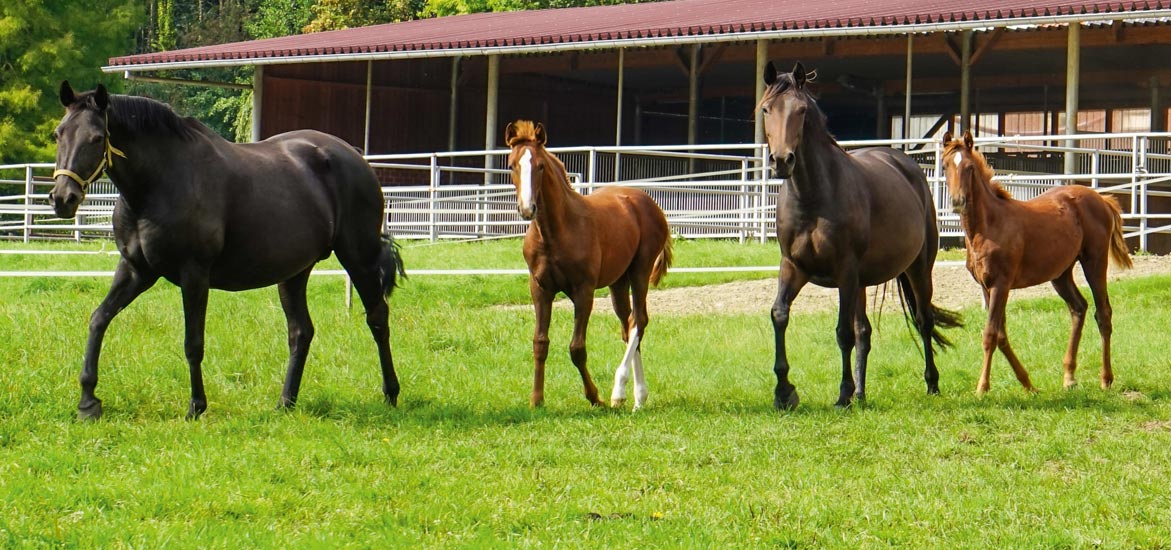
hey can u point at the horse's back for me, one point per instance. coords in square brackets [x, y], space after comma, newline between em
[901, 211]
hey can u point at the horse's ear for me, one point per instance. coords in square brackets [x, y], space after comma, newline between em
[946, 139]
[509, 133]
[968, 139]
[799, 75]
[66, 94]
[541, 136]
[101, 97]
[770, 74]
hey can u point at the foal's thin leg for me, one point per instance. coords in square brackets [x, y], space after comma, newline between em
[848, 291]
[1069, 292]
[996, 336]
[583, 305]
[620, 299]
[789, 284]
[195, 288]
[296, 307]
[862, 331]
[128, 284]
[543, 305]
[1103, 313]
[641, 320]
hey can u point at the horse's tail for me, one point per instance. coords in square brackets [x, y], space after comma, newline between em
[390, 265]
[662, 262]
[1119, 252]
[943, 318]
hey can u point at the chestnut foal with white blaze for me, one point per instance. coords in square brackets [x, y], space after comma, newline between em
[1017, 244]
[616, 237]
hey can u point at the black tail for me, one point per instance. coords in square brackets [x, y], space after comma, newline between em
[390, 265]
[943, 318]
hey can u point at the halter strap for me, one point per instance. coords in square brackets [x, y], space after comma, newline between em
[107, 161]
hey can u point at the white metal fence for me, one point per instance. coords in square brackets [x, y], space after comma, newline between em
[706, 191]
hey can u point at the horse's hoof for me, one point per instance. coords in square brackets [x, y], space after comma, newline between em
[932, 389]
[617, 403]
[90, 412]
[1070, 384]
[391, 400]
[843, 404]
[286, 404]
[788, 402]
[637, 407]
[196, 410]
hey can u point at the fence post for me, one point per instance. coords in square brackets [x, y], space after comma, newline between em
[432, 192]
[763, 193]
[1095, 167]
[28, 199]
[1142, 168]
[744, 201]
[592, 169]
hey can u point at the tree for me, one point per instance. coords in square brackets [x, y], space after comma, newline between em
[42, 43]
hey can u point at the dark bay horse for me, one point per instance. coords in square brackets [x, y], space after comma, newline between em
[205, 213]
[1017, 244]
[616, 237]
[846, 221]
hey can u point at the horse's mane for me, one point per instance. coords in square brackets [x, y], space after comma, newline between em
[784, 83]
[985, 171]
[142, 115]
[526, 132]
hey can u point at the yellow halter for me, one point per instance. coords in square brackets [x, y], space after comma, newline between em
[107, 161]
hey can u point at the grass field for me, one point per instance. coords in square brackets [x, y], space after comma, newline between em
[464, 462]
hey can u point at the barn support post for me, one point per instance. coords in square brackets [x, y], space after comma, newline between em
[907, 99]
[257, 100]
[490, 122]
[761, 63]
[1157, 115]
[618, 110]
[966, 81]
[693, 103]
[369, 94]
[453, 104]
[1072, 78]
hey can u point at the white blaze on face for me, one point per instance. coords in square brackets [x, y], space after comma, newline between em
[526, 180]
[958, 158]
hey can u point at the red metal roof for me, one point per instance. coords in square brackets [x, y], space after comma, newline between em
[682, 20]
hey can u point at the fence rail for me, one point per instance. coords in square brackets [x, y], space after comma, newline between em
[706, 190]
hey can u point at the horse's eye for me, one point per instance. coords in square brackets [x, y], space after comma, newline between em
[764, 110]
[94, 138]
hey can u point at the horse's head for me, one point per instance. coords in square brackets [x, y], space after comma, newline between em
[83, 147]
[527, 162]
[959, 167]
[784, 106]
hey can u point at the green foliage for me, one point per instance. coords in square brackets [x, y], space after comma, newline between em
[464, 462]
[275, 18]
[43, 43]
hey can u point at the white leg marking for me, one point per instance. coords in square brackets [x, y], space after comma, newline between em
[618, 397]
[526, 181]
[640, 388]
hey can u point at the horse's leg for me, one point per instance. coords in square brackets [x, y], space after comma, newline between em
[620, 299]
[862, 331]
[543, 305]
[583, 305]
[641, 320]
[848, 290]
[194, 284]
[918, 277]
[296, 307]
[128, 284]
[369, 286]
[1096, 272]
[1068, 291]
[789, 284]
[996, 336]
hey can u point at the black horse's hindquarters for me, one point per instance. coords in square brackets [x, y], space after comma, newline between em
[207, 213]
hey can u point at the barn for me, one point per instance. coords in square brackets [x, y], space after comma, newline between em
[688, 72]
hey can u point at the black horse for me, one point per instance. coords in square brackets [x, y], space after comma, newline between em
[847, 221]
[205, 213]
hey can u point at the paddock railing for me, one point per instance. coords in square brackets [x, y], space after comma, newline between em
[707, 191]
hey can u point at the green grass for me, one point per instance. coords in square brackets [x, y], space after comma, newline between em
[464, 462]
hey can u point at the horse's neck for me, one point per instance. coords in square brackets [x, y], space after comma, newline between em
[559, 207]
[815, 178]
[150, 163]
[980, 206]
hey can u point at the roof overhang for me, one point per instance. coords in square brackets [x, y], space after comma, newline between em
[260, 57]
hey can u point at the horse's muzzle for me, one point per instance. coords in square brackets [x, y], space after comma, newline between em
[527, 213]
[65, 202]
[783, 165]
[958, 204]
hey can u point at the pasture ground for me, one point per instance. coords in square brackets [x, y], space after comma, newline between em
[464, 462]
